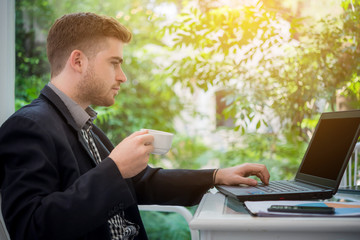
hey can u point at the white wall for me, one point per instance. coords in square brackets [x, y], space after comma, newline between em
[7, 59]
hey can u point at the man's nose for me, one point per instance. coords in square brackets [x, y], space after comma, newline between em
[121, 76]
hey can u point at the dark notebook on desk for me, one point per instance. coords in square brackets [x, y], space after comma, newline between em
[321, 169]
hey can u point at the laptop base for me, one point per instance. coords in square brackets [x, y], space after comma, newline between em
[229, 191]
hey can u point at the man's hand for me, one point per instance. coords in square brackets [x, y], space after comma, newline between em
[132, 154]
[239, 174]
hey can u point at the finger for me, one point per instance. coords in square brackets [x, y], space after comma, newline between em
[248, 181]
[150, 149]
[262, 178]
[265, 175]
[146, 139]
[261, 172]
[138, 133]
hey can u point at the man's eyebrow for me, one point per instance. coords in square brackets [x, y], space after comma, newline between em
[118, 59]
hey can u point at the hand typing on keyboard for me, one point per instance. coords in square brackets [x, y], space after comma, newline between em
[239, 174]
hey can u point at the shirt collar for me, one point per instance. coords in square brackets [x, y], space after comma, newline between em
[79, 115]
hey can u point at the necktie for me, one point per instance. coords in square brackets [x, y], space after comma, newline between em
[120, 228]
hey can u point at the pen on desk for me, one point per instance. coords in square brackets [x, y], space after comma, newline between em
[301, 209]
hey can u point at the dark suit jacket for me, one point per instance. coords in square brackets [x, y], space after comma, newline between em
[52, 189]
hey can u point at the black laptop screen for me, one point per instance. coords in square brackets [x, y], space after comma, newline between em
[329, 147]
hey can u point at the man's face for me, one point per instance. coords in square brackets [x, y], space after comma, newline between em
[103, 76]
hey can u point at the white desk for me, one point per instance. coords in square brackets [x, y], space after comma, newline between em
[215, 220]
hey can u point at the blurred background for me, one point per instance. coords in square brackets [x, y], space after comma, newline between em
[236, 81]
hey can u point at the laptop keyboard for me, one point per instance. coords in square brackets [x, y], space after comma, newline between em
[281, 186]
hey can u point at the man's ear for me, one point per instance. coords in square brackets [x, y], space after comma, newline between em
[78, 61]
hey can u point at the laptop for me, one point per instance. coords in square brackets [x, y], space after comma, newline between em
[321, 169]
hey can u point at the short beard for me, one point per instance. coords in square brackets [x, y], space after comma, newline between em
[88, 87]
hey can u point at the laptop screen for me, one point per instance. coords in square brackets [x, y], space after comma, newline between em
[329, 147]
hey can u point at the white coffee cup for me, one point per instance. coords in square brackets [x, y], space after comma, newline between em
[162, 141]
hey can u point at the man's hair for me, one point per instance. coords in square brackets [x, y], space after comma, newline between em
[82, 31]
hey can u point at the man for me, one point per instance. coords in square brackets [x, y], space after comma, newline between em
[61, 178]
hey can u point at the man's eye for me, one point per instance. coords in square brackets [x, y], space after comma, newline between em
[115, 63]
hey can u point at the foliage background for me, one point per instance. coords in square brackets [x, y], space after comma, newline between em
[281, 64]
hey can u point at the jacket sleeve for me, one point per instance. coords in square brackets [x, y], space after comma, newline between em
[172, 186]
[34, 205]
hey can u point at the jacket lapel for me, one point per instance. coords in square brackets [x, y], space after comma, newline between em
[58, 104]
